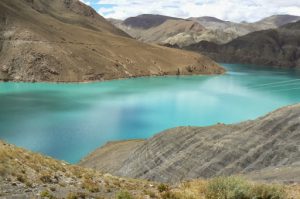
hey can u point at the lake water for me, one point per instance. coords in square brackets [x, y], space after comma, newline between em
[67, 121]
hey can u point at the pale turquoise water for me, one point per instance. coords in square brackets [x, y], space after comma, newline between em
[67, 121]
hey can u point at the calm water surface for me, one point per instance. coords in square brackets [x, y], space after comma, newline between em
[67, 121]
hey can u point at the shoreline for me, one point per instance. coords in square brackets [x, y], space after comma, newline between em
[106, 80]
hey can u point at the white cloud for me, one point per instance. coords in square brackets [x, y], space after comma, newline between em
[232, 10]
[86, 2]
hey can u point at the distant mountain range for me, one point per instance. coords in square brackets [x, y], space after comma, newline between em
[68, 41]
[274, 47]
[183, 32]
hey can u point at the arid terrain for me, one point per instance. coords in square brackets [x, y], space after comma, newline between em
[270, 143]
[166, 30]
[275, 47]
[67, 41]
[264, 151]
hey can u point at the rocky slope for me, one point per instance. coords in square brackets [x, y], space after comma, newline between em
[267, 143]
[183, 32]
[67, 41]
[29, 175]
[275, 47]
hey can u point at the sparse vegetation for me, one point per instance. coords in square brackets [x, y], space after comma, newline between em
[123, 195]
[76, 195]
[46, 194]
[46, 178]
[91, 186]
[239, 188]
[163, 187]
[41, 174]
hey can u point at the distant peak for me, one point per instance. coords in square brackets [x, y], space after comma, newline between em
[146, 21]
[212, 19]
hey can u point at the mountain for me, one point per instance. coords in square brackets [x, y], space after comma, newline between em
[275, 47]
[67, 41]
[160, 29]
[270, 143]
[147, 21]
[169, 31]
[278, 20]
[243, 28]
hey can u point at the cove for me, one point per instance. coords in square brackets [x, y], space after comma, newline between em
[68, 121]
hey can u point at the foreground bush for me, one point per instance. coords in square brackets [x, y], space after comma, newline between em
[123, 195]
[238, 188]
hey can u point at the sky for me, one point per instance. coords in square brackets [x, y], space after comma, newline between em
[231, 10]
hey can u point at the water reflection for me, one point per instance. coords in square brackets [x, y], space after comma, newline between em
[67, 121]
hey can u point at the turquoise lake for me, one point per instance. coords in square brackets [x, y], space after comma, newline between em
[68, 121]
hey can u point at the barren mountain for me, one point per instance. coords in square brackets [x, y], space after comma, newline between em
[57, 40]
[159, 29]
[267, 143]
[147, 21]
[275, 47]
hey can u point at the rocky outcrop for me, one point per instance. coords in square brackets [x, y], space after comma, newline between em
[202, 152]
[67, 41]
[274, 47]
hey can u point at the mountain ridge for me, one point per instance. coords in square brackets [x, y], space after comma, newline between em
[214, 29]
[67, 41]
[275, 47]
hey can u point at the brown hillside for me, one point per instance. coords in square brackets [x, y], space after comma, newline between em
[68, 41]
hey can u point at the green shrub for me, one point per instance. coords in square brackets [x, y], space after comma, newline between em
[76, 195]
[169, 195]
[21, 178]
[238, 188]
[227, 188]
[268, 191]
[163, 187]
[123, 195]
[46, 194]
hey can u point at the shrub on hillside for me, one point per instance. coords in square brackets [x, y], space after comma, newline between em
[238, 188]
[123, 195]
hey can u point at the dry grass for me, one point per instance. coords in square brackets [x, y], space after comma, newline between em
[19, 165]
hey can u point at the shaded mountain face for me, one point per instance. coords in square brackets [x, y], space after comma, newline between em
[182, 153]
[156, 28]
[146, 21]
[275, 47]
[67, 41]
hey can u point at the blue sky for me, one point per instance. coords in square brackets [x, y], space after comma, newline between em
[232, 10]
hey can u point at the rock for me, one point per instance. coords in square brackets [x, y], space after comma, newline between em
[5, 68]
